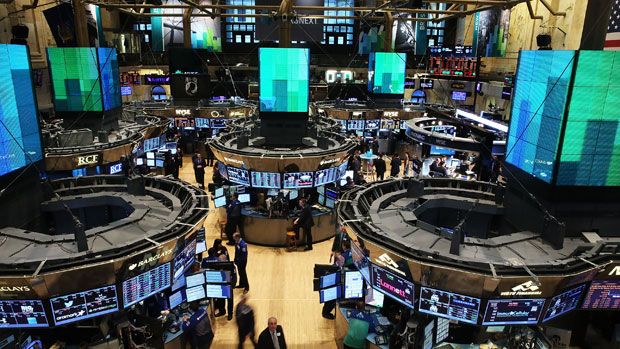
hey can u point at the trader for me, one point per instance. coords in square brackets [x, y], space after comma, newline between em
[241, 261]
[272, 337]
[305, 221]
[199, 170]
[198, 326]
[233, 218]
[380, 167]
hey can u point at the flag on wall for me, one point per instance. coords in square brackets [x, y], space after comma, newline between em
[612, 39]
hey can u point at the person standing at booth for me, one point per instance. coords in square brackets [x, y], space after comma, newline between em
[199, 170]
[306, 222]
[233, 219]
[198, 326]
[241, 261]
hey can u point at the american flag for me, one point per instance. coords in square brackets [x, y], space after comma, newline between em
[612, 39]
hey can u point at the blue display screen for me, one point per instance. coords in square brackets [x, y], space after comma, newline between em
[22, 313]
[450, 305]
[513, 312]
[218, 291]
[84, 305]
[239, 176]
[329, 280]
[20, 141]
[564, 302]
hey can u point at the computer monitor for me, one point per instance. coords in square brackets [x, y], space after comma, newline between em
[244, 198]
[84, 305]
[176, 299]
[218, 291]
[220, 202]
[320, 190]
[150, 155]
[140, 161]
[195, 279]
[297, 180]
[159, 163]
[179, 283]
[374, 298]
[217, 276]
[195, 293]
[293, 194]
[353, 285]
[330, 294]
[329, 280]
[219, 192]
[146, 284]
[330, 203]
[150, 162]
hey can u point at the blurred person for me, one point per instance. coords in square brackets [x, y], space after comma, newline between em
[380, 167]
[234, 220]
[406, 164]
[395, 166]
[244, 315]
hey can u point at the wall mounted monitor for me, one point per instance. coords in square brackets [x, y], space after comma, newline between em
[330, 294]
[342, 169]
[176, 299]
[195, 293]
[218, 123]
[218, 291]
[353, 285]
[603, 294]
[295, 180]
[84, 305]
[435, 150]
[386, 73]
[564, 302]
[178, 283]
[373, 124]
[238, 175]
[146, 284]
[356, 125]
[269, 180]
[322, 177]
[202, 123]
[22, 313]
[392, 285]
[244, 198]
[217, 276]
[219, 202]
[513, 312]
[459, 95]
[329, 280]
[184, 259]
[195, 279]
[450, 305]
[126, 90]
[284, 79]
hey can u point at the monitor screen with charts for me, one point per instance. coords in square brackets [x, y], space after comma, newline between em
[217, 276]
[146, 284]
[195, 293]
[176, 299]
[218, 291]
[195, 279]
[450, 305]
[84, 305]
[353, 285]
[513, 311]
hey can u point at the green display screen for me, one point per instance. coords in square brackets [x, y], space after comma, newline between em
[284, 75]
[386, 73]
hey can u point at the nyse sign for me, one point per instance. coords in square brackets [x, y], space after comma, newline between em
[87, 159]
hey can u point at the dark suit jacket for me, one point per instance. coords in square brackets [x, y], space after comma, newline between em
[265, 341]
[305, 217]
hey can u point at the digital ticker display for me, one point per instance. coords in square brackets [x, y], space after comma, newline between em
[564, 302]
[451, 305]
[84, 305]
[238, 176]
[269, 180]
[513, 312]
[284, 79]
[146, 284]
[386, 72]
[392, 285]
[602, 294]
[22, 313]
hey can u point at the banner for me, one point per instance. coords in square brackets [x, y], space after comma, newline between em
[491, 36]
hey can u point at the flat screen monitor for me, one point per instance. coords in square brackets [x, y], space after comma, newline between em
[321, 199]
[84, 305]
[342, 169]
[392, 285]
[219, 192]
[221, 168]
[201, 246]
[150, 154]
[218, 123]
[195, 293]
[126, 91]
[387, 124]
[332, 194]
[355, 125]
[330, 294]
[220, 202]
[320, 190]
[22, 313]
[373, 124]
[218, 291]
[293, 194]
[238, 176]
[325, 176]
[459, 95]
[443, 330]
[176, 299]
[374, 298]
[295, 180]
[195, 279]
[513, 311]
[178, 283]
[146, 284]
[450, 305]
[151, 144]
[244, 198]
[330, 203]
[564, 302]
[269, 180]
[140, 161]
[217, 276]
[602, 294]
[272, 192]
[159, 163]
[361, 261]
[329, 280]
[202, 123]
[150, 163]
[353, 285]
[184, 258]
[284, 75]
[441, 151]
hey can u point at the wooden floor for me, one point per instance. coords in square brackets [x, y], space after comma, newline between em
[280, 286]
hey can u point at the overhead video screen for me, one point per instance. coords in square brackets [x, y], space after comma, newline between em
[238, 175]
[269, 180]
[297, 180]
[22, 313]
[322, 177]
[386, 73]
[602, 294]
[513, 312]
[146, 284]
[450, 305]
[18, 111]
[84, 305]
[284, 76]
[564, 302]
[392, 285]
[538, 105]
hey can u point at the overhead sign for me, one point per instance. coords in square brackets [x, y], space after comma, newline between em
[528, 288]
[85, 160]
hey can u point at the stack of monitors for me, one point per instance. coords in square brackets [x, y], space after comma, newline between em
[284, 79]
[332, 287]
[386, 73]
[20, 139]
[275, 180]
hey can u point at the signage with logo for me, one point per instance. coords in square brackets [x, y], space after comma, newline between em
[85, 160]
[13, 288]
[528, 288]
[148, 260]
[302, 28]
[183, 112]
[157, 79]
[390, 114]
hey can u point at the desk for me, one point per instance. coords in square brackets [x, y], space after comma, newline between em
[342, 327]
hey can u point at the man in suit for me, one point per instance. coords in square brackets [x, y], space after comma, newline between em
[234, 220]
[199, 170]
[380, 167]
[305, 221]
[272, 337]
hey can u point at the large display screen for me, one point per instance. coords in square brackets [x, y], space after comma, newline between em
[184, 258]
[602, 294]
[591, 144]
[297, 180]
[323, 177]
[450, 305]
[284, 75]
[110, 78]
[20, 141]
[513, 312]
[392, 285]
[564, 302]
[269, 180]
[22, 313]
[84, 305]
[238, 175]
[146, 284]
[538, 105]
[386, 72]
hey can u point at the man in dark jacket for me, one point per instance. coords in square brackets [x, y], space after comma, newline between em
[380, 167]
[245, 322]
[305, 221]
[198, 326]
[395, 163]
[199, 170]
[233, 219]
[241, 261]
[272, 337]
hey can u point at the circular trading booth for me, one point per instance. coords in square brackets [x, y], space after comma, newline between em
[447, 249]
[270, 179]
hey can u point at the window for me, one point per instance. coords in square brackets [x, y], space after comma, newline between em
[334, 29]
[242, 28]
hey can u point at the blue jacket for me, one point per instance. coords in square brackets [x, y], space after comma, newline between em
[234, 209]
[241, 252]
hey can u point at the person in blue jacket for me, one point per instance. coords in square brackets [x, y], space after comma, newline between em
[241, 261]
[198, 327]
